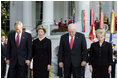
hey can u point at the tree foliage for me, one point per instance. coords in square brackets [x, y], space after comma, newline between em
[4, 12]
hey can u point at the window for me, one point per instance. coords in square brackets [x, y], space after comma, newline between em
[39, 12]
[71, 6]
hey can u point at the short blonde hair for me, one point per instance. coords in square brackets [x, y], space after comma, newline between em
[100, 32]
[40, 27]
[18, 23]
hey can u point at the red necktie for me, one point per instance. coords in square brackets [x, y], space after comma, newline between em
[17, 40]
[71, 43]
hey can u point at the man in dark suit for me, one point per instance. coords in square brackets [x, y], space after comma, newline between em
[19, 52]
[3, 55]
[72, 52]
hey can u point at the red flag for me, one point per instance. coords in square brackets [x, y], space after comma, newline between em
[92, 31]
[101, 20]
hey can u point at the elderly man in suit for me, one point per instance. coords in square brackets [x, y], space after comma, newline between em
[72, 52]
[19, 52]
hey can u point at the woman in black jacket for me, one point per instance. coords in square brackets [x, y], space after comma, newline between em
[41, 54]
[100, 56]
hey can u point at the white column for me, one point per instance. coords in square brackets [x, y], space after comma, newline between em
[47, 15]
[33, 18]
[16, 9]
[76, 10]
[83, 5]
[27, 15]
[12, 14]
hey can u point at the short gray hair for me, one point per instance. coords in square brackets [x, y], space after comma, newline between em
[71, 26]
[18, 23]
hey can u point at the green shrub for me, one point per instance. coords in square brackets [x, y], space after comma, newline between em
[7, 33]
[50, 73]
[59, 30]
[2, 32]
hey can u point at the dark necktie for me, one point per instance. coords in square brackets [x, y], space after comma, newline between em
[71, 43]
[17, 40]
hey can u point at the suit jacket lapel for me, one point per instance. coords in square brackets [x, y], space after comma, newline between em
[22, 36]
[14, 38]
[75, 40]
[103, 43]
[67, 41]
[1, 45]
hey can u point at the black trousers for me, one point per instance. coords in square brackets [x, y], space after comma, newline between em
[83, 72]
[75, 71]
[113, 69]
[100, 72]
[60, 74]
[17, 71]
[40, 71]
[3, 69]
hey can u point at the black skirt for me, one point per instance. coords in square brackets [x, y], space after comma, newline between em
[100, 72]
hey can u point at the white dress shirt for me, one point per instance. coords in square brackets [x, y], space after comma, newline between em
[70, 38]
[2, 43]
